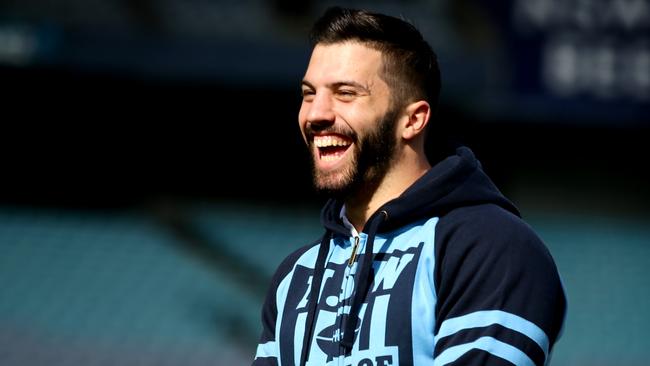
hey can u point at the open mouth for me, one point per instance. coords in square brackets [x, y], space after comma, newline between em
[331, 147]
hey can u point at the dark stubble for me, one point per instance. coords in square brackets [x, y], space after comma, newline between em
[372, 157]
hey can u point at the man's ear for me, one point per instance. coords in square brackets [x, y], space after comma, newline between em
[418, 114]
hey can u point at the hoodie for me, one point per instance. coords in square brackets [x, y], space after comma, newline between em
[445, 274]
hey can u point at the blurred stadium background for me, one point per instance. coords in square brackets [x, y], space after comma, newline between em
[153, 175]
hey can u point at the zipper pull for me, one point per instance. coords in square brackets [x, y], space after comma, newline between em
[354, 251]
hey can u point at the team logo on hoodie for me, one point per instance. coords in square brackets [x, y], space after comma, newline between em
[375, 340]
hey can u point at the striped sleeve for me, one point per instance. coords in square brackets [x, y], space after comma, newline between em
[500, 299]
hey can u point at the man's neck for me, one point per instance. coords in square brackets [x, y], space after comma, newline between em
[360, 206]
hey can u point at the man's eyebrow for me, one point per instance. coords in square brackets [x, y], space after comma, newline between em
[355, 84]
[339, 84]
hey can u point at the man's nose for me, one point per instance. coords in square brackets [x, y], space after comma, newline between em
[321, 113]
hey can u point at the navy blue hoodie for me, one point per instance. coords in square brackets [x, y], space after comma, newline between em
[445, 274]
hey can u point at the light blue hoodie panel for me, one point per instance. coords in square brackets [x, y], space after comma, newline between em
[396, 320]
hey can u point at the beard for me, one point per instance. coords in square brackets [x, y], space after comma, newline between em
[371, 158]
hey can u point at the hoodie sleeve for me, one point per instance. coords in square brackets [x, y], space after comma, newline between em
[500, 299]
[267, 353]
[267, 349]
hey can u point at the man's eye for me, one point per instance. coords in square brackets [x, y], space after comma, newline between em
[306, 93]
[346, 93]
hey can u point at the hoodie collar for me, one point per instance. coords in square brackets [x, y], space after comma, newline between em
[347, 223]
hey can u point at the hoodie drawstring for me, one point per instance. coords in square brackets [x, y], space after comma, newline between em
[363, 282]
[361, 288]
[314, 292]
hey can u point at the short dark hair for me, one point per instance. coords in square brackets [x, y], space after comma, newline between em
[410, 65]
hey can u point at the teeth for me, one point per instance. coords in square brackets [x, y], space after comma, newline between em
[327, 141]
[330, 157]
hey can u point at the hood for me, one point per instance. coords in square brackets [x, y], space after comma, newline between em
[454, 182]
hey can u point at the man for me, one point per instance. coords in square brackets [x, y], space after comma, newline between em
[419, 265]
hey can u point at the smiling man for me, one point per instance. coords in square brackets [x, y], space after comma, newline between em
[419, 264]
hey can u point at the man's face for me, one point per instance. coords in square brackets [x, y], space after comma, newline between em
[346, 117]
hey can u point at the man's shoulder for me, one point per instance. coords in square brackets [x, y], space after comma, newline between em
[487, 224]
[487, 216]
[290, 260]
[296, 254]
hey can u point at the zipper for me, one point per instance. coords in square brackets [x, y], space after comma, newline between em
[353, 256]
